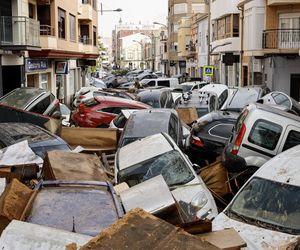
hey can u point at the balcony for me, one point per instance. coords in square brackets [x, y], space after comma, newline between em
[282, 2]
[282, 39]
[47, 37]
[86, 45]
[86, 11]
[19, 33]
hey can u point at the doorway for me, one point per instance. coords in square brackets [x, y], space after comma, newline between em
[295, 87]
[11, 78]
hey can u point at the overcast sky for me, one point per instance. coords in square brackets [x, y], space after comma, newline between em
[146, 11]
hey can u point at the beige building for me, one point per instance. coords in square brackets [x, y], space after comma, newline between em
[65, 34]
[177, 9]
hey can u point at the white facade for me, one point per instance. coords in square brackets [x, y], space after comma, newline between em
[202, 44]
[132, 52]
[227, 74]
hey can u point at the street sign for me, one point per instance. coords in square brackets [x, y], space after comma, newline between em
[208, 70]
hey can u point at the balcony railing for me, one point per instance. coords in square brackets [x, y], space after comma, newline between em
[18, 32]
[46, 30]
[85, 40]
[281, 39]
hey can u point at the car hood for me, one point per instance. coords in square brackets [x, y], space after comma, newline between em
[188, 191]
[255, 237]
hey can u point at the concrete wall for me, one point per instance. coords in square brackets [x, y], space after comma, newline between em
[220, 8]
[279, 70]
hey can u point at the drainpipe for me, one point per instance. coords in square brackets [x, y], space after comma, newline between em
[241, 9]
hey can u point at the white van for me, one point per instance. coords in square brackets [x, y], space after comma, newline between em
[160, 82]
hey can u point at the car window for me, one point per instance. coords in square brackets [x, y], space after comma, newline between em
[292, 140]
[163, 99]
[173, 128]
[281, 99]
[41, 106]
[265, 134]
[113, 110]
[212, 103]
[222, 130]
[170, 101]
[151, 83]
[120, 121]
[163, 83]
[223, 97]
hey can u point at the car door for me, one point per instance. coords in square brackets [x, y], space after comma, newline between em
[291, 138]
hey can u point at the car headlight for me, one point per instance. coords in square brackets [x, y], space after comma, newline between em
[199, 200]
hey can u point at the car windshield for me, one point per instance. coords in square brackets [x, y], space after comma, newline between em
[151, 101]
[20, 98]
[268, 204]
[186, 88]
[127, 141]
[241, 98]
[170, 165]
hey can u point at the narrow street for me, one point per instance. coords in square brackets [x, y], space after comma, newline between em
[168, 124]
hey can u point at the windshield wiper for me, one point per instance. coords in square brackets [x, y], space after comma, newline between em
[242, 217]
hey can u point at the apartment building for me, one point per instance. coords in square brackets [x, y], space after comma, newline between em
[178, 9]
[48, 44]
[225, 43]
[19, 33]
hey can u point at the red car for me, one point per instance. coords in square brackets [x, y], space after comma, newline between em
[99, 111]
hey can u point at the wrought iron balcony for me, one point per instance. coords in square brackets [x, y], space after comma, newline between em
[281, 39]
[19, 33]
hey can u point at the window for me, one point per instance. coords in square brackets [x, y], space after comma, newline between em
[163, 83]
[281, 99]
[72, 28]
[94, 35]
[151, 83]
[293, 139]
[223, 98]
[41, 106]
[61, 23]
[221, 130]
[228, 25]
[163, 99]
[198, 8]
[173, 128]
[113, 110]
[221, 28]
[31, 10]
[44, 81]
[180, 8]
[265, 134]
[212, 103]
[95, 4]
[235, 25]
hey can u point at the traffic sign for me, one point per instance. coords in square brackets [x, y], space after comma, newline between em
[208, 70]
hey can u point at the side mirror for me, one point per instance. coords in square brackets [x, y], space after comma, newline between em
[197, 168]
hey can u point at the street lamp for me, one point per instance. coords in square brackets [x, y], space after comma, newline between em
[160, 24]
[142, 51]
[115, 10]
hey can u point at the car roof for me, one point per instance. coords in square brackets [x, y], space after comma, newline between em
[276, 111]
[13, 132]
[142, 150]
[219, 115]
[151, 92]
[119, 100]
[147, 122]
[215, 87]
[282, 168]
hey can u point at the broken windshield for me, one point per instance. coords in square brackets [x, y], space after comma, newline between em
[268, 204]
[170, 165]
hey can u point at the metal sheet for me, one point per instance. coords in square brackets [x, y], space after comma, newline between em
[27, 236]
[152, 195]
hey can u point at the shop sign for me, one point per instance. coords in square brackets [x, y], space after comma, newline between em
[36, 65]
[61, 67]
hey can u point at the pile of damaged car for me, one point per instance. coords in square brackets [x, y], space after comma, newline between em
[197, 166]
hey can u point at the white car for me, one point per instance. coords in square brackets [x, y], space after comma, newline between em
[83, 94]
[266, 211]
[221, 91]
[120, 120]
[158, 154]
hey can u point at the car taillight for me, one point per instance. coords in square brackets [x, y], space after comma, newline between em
[238, 140]
[81, 97]
[197, 141]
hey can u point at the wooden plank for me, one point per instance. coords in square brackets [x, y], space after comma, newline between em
[91, 138]
[227, 239]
